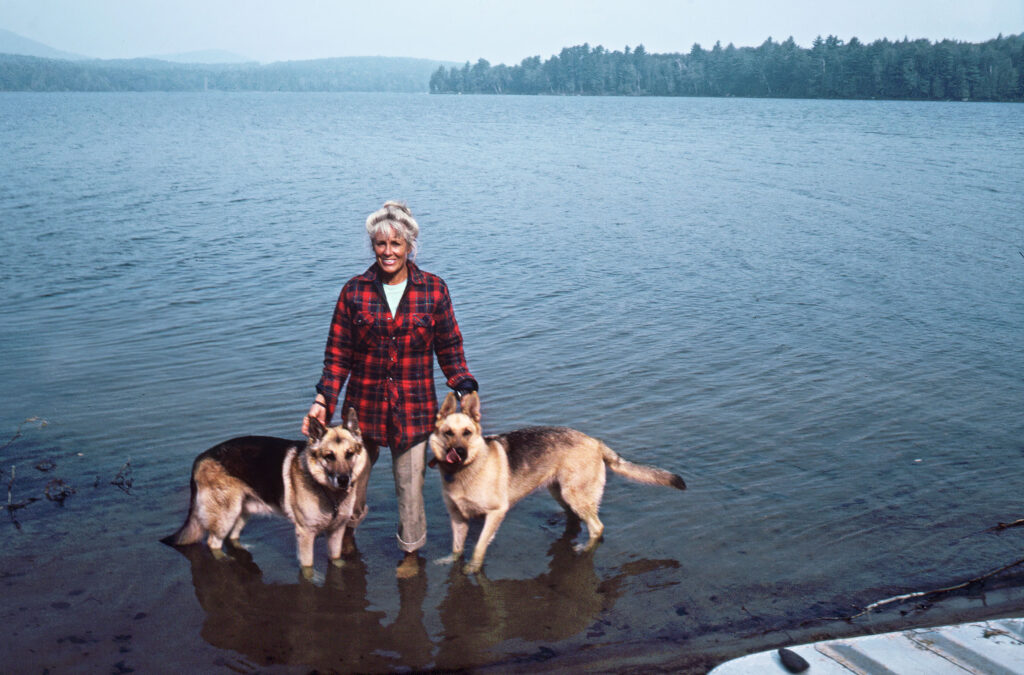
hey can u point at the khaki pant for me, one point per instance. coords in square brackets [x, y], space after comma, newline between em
[408, 467]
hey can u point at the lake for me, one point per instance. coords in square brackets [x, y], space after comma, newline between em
[811, 310]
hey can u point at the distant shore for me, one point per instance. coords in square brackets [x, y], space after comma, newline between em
[831, 69]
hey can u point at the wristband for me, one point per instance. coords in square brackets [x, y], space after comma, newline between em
[321, 404]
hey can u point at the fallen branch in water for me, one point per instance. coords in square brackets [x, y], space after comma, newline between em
[11, 505]
[123, 479]
[17, 432]
[1006, 526]
[909, 596]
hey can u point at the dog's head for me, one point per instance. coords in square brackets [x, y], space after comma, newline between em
[456, 438]
[335, 456]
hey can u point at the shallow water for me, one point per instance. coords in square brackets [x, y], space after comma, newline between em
[811, 310]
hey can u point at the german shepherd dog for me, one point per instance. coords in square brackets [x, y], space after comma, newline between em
[487, 475]
[313, 483]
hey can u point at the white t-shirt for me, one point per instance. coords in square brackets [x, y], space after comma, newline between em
[393, 293]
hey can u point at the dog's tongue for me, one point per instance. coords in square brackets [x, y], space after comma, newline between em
[452, 457]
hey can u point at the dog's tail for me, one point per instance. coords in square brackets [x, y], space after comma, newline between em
[641, 473]
[192, 531]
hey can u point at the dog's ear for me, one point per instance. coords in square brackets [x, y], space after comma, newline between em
[352, 422]
[471, 406]
[447, 408]
[316, 429]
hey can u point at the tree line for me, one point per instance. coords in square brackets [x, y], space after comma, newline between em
[30, 73]
[830, 68]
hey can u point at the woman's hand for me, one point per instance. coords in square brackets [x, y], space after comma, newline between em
[317, 410]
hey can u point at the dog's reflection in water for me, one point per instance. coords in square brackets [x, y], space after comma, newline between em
[333, 627]
[567, 600]
[329, 627]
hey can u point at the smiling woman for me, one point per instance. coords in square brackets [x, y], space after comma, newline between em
[393, 233]
[388, 324]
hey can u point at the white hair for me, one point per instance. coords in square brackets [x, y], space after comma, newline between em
[394, 216]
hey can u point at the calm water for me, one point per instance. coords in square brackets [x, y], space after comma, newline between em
[811, 310]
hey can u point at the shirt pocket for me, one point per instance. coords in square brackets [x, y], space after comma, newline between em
[365, 330]
[421, 331]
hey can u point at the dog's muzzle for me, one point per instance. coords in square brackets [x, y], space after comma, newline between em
[455, 455]
[338, 480]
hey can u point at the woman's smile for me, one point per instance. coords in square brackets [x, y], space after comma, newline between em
[392, 252]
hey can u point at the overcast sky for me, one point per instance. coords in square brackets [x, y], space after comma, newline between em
[503, 31]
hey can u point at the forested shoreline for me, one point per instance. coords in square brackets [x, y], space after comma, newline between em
[830, 68]
[31, 73]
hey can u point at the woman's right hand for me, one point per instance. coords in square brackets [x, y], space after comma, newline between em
[317, 410]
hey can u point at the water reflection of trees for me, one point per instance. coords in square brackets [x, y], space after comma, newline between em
[332, 627]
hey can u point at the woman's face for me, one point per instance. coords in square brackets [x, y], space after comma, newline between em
[392, 252]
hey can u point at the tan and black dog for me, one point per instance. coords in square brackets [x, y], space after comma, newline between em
[314, 483]
[486, 476]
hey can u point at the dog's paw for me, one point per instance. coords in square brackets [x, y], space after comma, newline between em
[338, 562]
[448, 559]
[471, 568]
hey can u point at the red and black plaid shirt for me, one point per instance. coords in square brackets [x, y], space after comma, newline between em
[389, 361]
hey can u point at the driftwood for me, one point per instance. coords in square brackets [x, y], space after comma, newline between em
[935, 591]
[17, 432]
[13, 506]
[1006, 526]
[57, 489]
[123, 479]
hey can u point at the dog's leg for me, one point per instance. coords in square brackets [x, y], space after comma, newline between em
[304, 541]
[582, 491]
[222, 523]
[492, 521]
[335, 545]
[240, 522]
[572, 521]
[460, 528]
[360, 509]
[595, 528]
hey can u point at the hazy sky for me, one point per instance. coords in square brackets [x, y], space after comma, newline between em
[504, 31]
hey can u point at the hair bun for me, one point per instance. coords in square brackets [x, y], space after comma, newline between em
[402, 206]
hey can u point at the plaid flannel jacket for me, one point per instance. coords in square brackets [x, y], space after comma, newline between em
[388, 361]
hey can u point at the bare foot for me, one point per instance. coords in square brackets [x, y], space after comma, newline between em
[409, 567]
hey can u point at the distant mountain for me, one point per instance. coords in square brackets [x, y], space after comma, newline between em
[375, 73]
[12, 43]
[209, 56]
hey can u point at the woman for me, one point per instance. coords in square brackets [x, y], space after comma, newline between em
[388, 324]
